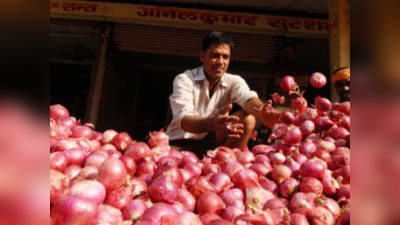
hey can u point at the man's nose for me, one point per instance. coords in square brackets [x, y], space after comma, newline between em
[220, 60]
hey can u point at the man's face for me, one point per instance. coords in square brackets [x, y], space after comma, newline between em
[216, 60]
[343, 89]
[288, 53]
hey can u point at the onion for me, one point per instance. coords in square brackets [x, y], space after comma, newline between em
[308, 114]
[138, 151]
[329, 204]
[187, 218]
[185, 175]
[108, 135]
[317, 80]
[342, 143]
[75, 156]
[134, 210]
[163, 188]
[307, 148]
[109, 215]
[232, 195]
[274, 204]
[201, 186]
[288, 187]
[89, 189]
[210, 203]
[299, 158]
[296, 219]
[193, 168]
[320, 215]
[339, 133]
[112, 174]
[245, 157]
[187, 158]
[221, 181]
[147, 166]
[231, 212]
[160, 213]
[239, 178]
[211, 168]
[342, 107]
[58, 111]
[262, 159]
[330, 185]
[89, 172]
[307, 127]
[96, 136]
[302, 200]
[164, 160]
[294, 167]
[299, 104]
[81, 132]
[107, 147]
[310, 184]
[75, 210]
[119, 198]
[344, 172]
[261, 169]
[269, 185]
[158, 152]
[64, 145]
[344, 122]
[72, 171]
[177, 155]
[148, 178]
[281, 173]
[343, 192]
[223, 153]
[179, 208]
[129, 164]
[312, 168]
[287, 117]
[68, 121]
[95, 160]
[288, 83]
[138, 186]
[278, 130]
[186, 199]
[262, 149]
[231, 167]
[85, 145]
[326, 145]
[278, 158]
[322, 104]
[324, 123]
[256, 196]
[95, 144]
[158, 139]
[322, 154]
[208, 217]
[121, 141]
[59, 185]
[58, 161]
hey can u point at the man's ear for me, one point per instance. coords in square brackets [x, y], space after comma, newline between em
[201, 56]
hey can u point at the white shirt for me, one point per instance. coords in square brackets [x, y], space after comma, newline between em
[191, 97]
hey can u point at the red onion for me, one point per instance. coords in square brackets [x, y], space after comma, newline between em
[177, 155]
[187, 218]
[59, 185]
[75, 156]
[288, 83]
[185, 175]
[269, 185]
[324, 123]
[344, 122]
[191, 181]
[222, 154]
[146, 200]
[281, 173]
[278, 159]
[262, 149]
[299, 158]
[147, 166]
[186, 199]
[322, 104]
[307, 127]
[179, 208]
[322, 154]
[283, 148]
[119, 198]
[308, 114]
[138, 151]
[187, 158]
[343, 192]
[310, 184]
[58, 111]
[75, 210]
[341, 143]
[112, 174]
[173, 169]
[330, 185]
[194, 168]
[138, 186]
[245, 157]
[288, 187]
[317, 80]
[129, 164]
[158, 152]
[237, 203]
[344, 219]
[96, 136]
[302, 200]
[231, 167]
[307, 148]
[160, 213]
[201, 186]
[158, 139]
[208, 217]
[344, 172]
[326, 145]
[64, 145]
[296, 219]
[109, 215]
[164, 160]
[320, 215]
[95, 160]
[85, 145]
[72, 171]
[68, 121]
[299, 104]
[339, 133]
[221, 181]
[211, 168]
[89, 172]
[108, 135]
[312, 168]
[148, 178]
[89, 189]
[134, 210]
[278, 130]
[81, 132]
[210, 203]
[287, 117]
[163, 188]
[293, 166]
[256, 196]
[342, 107]
[328, 204]
[314, 138]
[232, 195]
[261, 169]
[58, 161]
[231, 212]
[274, 204]
[95, 144]
[107, 147]
[262, 159]
[121, 141]
[239, 178]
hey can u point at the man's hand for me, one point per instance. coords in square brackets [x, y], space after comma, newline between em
[228, 126]
[268, 115]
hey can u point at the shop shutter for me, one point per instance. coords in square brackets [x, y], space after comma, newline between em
[248, 47]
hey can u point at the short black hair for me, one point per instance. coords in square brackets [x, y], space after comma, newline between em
[341, 68]
[216, 37]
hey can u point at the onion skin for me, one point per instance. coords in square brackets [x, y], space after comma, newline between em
[307, 127]
[261, 169]
[75, 210]
[208, 217]
[163, 188]
[186, 199]
[281, 173]
[330, 205]
[231, 212]
[89, 189]
[134, 210]
[109, 215]
[58, 161]
[194, 168]
[323, 104]
[200, 187]
[95, 160]
[262, 149]
[339, 133]
[130, 165]
[297, 219]
[72, 171]
[344, 219]
[108, 135]
[232, 167]
[138, 186]
[320, 215]
[299, 104]
[310, 184]
[269, 185]
[170, 166]
[344, 172]
[147, 166]
[59, 186]
[340, 158]
[112, 174]
[138, 151]
[245, 157]
[210, 203]
[274, 204]
[288, 187]
[302, 200]
[239, 178]
[119, 198]
[160, 213]
[287, 117]
[64, 145]
[187, 158]
[307, 148]
[158, 138]
[211, 168]
[121, 141]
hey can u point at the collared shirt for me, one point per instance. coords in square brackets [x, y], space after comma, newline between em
[191, 97]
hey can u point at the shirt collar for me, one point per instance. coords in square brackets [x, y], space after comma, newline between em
[201, 76]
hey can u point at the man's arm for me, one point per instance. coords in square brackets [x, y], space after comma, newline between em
[257, 108]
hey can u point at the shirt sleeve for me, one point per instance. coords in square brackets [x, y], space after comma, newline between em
[241, 92]
[182, 99]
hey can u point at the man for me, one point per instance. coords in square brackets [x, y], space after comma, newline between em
[202, 98]
[341, 80]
